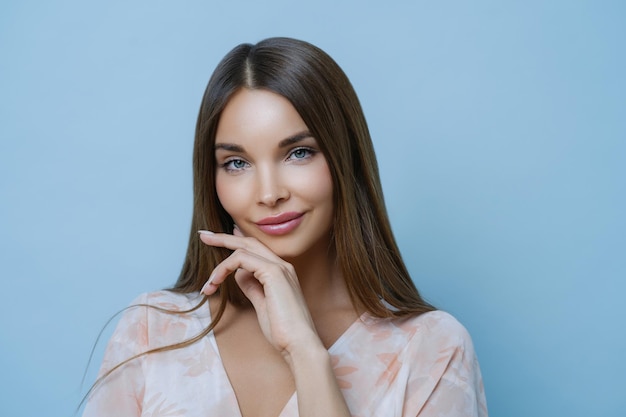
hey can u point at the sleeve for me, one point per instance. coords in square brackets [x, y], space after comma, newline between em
[120, 393]
[449, 383]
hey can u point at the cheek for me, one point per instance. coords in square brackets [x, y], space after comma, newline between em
[319, 185]
[322, 189]
[228, 195]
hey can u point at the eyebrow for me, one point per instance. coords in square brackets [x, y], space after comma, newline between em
[282, 144]
[294, 139]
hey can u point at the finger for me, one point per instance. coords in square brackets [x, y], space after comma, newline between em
[223, 240]
[209, 238]
[241, 259]
[261, 268]
[233, 242]
[220, 273]
[251, 287]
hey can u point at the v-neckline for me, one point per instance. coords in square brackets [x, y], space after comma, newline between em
[293, 397]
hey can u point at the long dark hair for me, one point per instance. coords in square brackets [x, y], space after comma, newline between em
[323, 96]
[376, 277]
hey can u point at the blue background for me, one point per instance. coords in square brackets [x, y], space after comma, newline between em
[500, 129]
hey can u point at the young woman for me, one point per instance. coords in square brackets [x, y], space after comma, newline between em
[293, 299]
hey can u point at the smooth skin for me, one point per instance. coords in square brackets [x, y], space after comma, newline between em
[268, 165]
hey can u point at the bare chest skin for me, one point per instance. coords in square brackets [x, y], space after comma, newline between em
[259, 375]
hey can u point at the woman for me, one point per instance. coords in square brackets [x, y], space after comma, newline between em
[308, 309]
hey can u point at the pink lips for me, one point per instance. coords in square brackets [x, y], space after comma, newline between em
[280, 224]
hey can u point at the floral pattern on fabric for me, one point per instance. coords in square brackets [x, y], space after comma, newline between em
[419, 366]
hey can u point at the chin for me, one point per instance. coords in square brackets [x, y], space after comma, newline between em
[291, 250]
[285, 247]
[285, 251]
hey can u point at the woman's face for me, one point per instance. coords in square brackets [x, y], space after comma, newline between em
[271, 176]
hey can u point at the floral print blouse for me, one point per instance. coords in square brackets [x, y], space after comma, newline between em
[419, 366]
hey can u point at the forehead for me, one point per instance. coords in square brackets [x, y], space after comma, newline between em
[258, 115]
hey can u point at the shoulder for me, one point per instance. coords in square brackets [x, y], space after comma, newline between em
[161, 316]
[443, 365]
[166, 303]
[441, 345]
[432, 334]
[168, 300]
[151, 305]
[436, 333]
[439, 326]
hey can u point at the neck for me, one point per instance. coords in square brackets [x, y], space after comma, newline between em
[321, 279]
[325, 293]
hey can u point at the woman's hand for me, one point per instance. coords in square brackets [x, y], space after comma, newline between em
[270, 284]
[273, 288]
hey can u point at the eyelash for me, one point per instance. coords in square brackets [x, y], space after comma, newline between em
[227, 165]
[310, 152]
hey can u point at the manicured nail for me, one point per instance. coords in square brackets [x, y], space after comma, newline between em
[205, 232]
[209, 282]
[205, 286]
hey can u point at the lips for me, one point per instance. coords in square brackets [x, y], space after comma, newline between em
[280, 224]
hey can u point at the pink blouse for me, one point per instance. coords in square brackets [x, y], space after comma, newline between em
[419, 366]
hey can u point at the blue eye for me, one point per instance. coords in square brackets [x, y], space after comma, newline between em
[301, 153]
[234, 165]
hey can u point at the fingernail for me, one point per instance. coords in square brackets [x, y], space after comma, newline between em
[205, 286]
[209, 282]
[205, 232]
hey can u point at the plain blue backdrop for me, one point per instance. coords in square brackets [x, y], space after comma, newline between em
[500, 129]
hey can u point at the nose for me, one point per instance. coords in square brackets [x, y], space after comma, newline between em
[271, 187]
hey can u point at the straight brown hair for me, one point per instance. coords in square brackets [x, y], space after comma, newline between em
[321, 93]
[370, 261]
